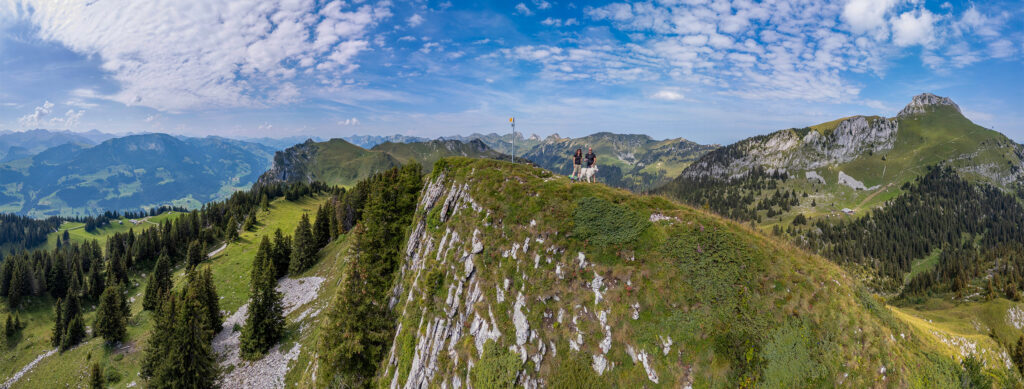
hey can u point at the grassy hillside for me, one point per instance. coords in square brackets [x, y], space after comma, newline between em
[230, 268]
[649, 292]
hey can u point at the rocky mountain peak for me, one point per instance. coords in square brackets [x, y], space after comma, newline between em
[920, 103]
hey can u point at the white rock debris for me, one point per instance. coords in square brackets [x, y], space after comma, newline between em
[596, 286]
[657, 217]
[600, 363]
[812, 175]
[558, 271]
[636, 310]
[478, 245]
[606, 343]
[582, 259]
[519, 320]
[269, 371]
[499, 294]
[646, 361]
[1015, 317]
[666, 344]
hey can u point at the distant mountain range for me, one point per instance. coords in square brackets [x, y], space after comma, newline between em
[128, 173]
[338, 162]
[23, 144]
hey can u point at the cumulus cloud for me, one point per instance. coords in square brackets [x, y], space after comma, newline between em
[541, 4]
[187, 54]
[914, 28]
[522, 9]
[868, 16]
[348, 122]
[415, 20]
[41, 117]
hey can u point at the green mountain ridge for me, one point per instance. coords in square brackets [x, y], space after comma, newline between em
[131, 172]
[635, 162]
[338, 162]
[861, 161]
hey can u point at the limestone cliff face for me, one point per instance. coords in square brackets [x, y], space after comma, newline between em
[288, 164]
[786, 150]
[924, 102]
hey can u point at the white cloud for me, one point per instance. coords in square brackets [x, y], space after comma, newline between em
[667, 94]
[151, 118]
[522, 9]
[40, 117]
[349, 122]
[415, 20]
[868, 16]
[196, 54]
[34, 118]
[541, 4]
[914, 28]
[431, 46]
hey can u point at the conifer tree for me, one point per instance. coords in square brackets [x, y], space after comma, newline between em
[322, 228]
[9, 328]
[208, 294]
[282, 253]
[96, 380]
[195, 254]
[58, 324]
[231, 230]
[159, 282]
[264, 257]
[264, 203]
[189, 361]
[111, 317]
[163, 335]
[75, 333]
[264, 324]
[304, 248]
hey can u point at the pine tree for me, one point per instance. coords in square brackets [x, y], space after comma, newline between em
[1017, 354]
[163, 331]
[58, 324]
[9, 328]
[195, 254]
[304, 248]
[282, 253]
[159, 282]
[231, 230]
[264, 324]
[96, 380]
[264, 257]
[264, 203]
[75, 333]
[189, 361]
[110, 316]
[208, 293]
[322, 228]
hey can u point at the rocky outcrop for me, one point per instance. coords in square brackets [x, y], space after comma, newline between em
[289, 165]
[787, 150]
[924, 102]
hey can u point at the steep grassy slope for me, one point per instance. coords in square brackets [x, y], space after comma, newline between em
[230, 268]
[634, 162]
[576, 280]
[132, 172]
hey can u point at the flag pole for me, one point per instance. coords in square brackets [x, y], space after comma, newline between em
[513, 121]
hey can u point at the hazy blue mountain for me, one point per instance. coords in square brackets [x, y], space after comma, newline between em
[369, 141]
[128, 173]
[22, 144]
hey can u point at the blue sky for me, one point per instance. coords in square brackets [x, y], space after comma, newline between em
[710, 71]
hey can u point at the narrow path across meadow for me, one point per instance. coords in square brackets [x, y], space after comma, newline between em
[14, 379]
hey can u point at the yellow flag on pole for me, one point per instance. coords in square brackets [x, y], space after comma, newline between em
[511, 120]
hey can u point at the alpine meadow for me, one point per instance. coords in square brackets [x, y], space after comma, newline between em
[529, 194]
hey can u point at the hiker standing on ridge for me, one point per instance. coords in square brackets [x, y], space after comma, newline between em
[577, 162]
[591, 160]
